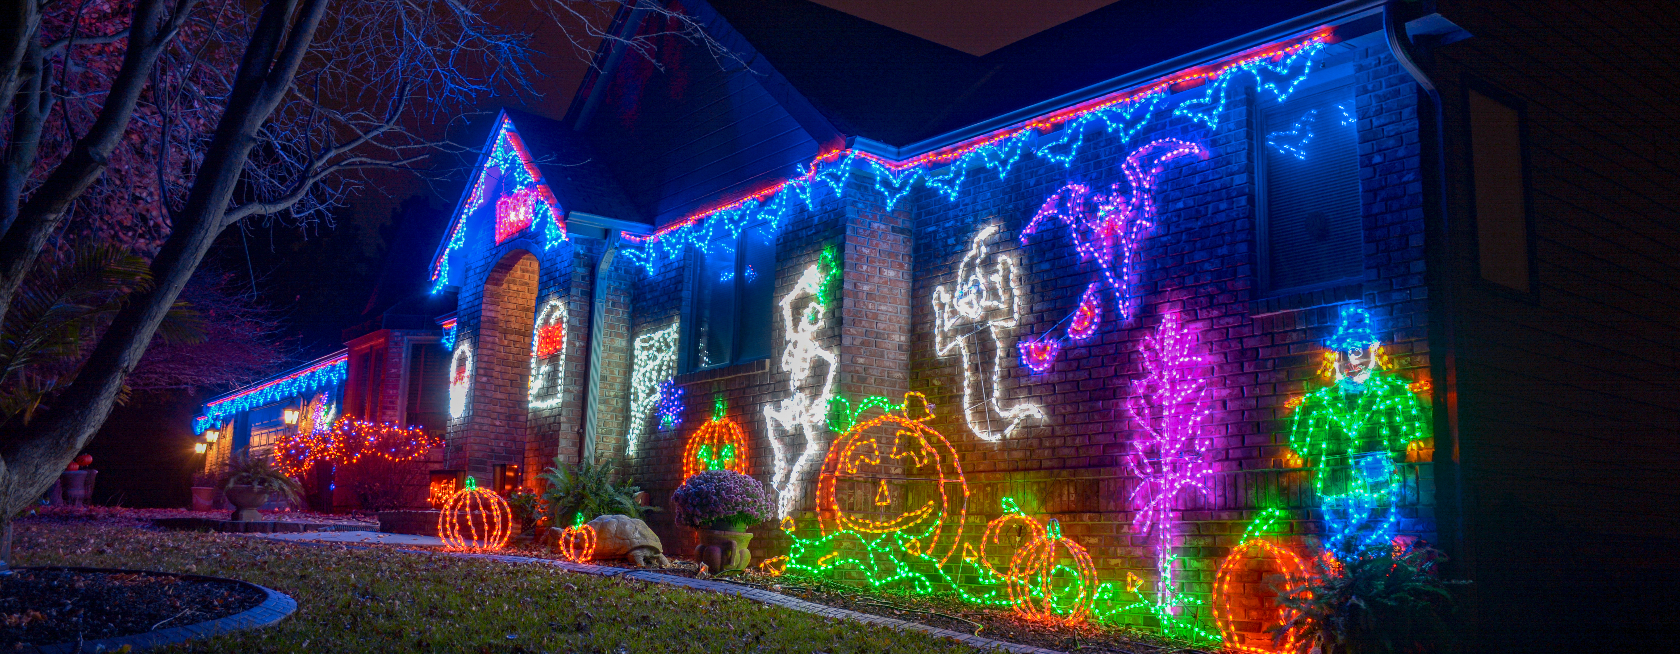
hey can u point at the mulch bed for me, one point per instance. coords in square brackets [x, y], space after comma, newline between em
[47, 606]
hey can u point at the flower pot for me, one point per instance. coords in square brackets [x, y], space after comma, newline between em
[723, 550]
[246, 500]
[203, 498]
[78, 486]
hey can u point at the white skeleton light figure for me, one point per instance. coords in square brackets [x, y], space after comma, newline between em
[548, 343]
[801, 412]
[985, 299]
[654, 359]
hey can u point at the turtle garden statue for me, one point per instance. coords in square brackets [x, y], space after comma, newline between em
[623, 536]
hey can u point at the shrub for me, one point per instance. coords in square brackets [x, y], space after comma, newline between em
[587, 488]
[529, 509]
[1388, 601]
[247, 470]
[722, 496]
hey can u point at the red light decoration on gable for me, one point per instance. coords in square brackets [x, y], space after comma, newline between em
[513, 213]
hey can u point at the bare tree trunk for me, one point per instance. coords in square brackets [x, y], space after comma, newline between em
[30, 459]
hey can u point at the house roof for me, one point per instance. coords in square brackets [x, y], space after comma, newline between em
[876, 82]
[571, 168]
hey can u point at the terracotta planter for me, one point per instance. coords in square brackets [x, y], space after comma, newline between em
[203, 498]
[78, 486]
[246, 500]
[723, 550]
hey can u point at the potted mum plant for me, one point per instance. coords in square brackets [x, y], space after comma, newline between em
[251, 481]
[721, 505]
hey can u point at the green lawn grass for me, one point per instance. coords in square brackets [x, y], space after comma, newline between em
[360, 600]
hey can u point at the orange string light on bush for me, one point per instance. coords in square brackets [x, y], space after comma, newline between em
[475, 519]
[349, 440]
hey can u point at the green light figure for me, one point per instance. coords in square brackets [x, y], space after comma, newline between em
[1350, 432]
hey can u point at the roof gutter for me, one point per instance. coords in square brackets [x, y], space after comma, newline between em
[1339, 12]
[1441, 271]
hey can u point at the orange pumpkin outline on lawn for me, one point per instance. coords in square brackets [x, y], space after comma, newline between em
[941, 520]
[577, 542]
[488, 518]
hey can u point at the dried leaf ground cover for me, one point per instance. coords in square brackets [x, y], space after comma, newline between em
[48, 606]
[381, 600]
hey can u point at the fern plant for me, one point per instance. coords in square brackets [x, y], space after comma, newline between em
[587, 488]
[1393, 601]
[246, 469]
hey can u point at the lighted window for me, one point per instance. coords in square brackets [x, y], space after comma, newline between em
[731, 311]
[1310, 231]
[1496, 158]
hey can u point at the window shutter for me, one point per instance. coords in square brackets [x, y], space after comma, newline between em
[1312, 222]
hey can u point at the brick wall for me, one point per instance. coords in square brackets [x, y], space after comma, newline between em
[501, 290]
[1199, 262]
[1566, 404]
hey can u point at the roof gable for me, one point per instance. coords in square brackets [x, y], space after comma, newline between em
[536, 174]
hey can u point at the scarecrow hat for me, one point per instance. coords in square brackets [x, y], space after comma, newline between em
[1353, 331]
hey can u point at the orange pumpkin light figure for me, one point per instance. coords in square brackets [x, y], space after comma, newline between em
[577, 542]
[475, 519]
[1053, 578]
[1226, 588]
[720, 444]
[927, 499]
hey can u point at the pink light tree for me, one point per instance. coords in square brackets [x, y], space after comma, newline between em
[1170, 454]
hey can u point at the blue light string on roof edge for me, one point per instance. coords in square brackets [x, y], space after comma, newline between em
[508, 157]
[1278, 71]
[326, 374]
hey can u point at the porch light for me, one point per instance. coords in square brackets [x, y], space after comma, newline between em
[290, 416]
[199, 448]
[211, 436]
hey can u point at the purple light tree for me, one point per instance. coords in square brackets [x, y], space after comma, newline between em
[1170, 455]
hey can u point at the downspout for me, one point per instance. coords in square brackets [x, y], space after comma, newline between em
[597, 328]
[1443, 344]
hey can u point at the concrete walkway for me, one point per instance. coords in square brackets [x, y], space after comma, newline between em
[363, 538]
[351, 537]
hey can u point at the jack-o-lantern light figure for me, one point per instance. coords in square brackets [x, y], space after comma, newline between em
[720, 444]
[895, 476]
[475, 519]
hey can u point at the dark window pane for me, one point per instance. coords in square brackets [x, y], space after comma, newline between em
[1501, 209]
[714, 310]
[1310, 150]
[758, 285]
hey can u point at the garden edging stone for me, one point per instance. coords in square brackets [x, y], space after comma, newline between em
[274, 608]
